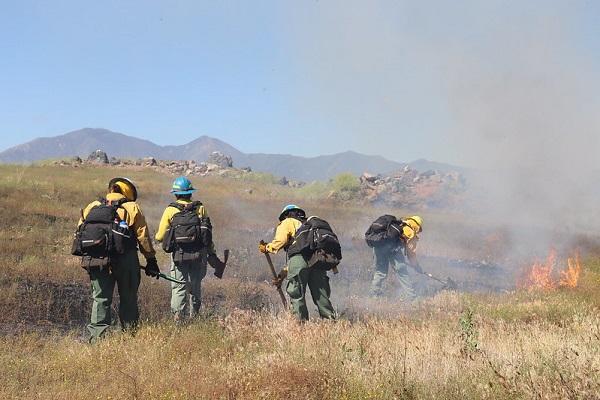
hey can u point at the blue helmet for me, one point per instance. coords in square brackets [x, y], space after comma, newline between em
[287, 209]
[182, 186]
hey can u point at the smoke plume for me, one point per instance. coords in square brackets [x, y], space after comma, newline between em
[506, 88]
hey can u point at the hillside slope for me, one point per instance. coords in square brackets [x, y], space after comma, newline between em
[84, 141]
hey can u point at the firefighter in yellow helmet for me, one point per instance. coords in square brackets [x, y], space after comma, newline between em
[395, 242]
[109, 233]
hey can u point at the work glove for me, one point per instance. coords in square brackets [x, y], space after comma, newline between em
[152, 268]
[262, 247]
[280, 277]
[417, 268]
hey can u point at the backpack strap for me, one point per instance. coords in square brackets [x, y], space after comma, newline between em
[190, 206]
[394, 221]
[121, 202]
[194, 205]
[117, 204]
[397, 228]
[178, 206]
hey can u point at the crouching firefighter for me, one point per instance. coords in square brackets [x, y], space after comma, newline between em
[312, 249]
[107, 238]
[394, 241]
[186, 232]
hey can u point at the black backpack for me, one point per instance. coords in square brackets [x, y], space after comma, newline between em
[384, 230]
[317, 242]
[189, 233]
[103, 234]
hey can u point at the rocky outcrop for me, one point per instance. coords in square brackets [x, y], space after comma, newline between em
[411, 188]
[219, 164]
[404, 188]
[98, 157]
[220, 159]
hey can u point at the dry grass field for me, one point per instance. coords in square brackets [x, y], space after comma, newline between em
[507, 343]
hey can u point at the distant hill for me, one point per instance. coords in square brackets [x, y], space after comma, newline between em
[424, 165]
[84, 141]
[81, 143]
[317, 168]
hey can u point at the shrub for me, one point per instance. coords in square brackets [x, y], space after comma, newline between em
[346, 186]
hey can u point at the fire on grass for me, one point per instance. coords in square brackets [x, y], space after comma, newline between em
[543, 275]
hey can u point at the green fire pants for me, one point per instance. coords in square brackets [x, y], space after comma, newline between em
[384, 256]
[184, 295]
[125, 273]
[299, 276]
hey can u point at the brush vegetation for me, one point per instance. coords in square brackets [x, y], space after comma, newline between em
[516, 344]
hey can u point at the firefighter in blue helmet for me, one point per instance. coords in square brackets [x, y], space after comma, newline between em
[298, 273]
[188, 259]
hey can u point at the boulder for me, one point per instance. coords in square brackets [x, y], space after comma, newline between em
[211, 167]
[149, 162]
[115, 161]
[220, 159]
[98, 157]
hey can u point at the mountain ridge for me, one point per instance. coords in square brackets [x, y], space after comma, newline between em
[83, 141]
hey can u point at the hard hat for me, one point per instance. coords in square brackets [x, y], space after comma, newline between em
[126, 187]
[182, 186]
[287, 209]
[418, 221]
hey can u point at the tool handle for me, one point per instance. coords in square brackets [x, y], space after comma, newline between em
[167, 277]
[282, 296]
[271, 266]
[433, 277]
[279, 290]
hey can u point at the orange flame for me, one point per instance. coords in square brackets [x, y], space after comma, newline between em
[540, 275]
[570, 276]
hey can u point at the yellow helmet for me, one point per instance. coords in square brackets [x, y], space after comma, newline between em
[418, 221]
[126, 187]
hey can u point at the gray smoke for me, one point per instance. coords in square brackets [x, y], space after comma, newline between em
[524, 111]
[507, 88]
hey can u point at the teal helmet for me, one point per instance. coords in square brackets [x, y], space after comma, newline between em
[287, 209]
[182, 186]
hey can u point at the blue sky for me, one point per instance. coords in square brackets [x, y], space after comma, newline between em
[393, 78]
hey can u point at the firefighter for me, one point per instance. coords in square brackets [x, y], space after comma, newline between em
[398, 246]
[298, 274]
[188, 259]
[120, 267]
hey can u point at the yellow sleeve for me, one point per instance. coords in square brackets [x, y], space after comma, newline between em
[284, 232]
[140, 227]
[165, 223]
